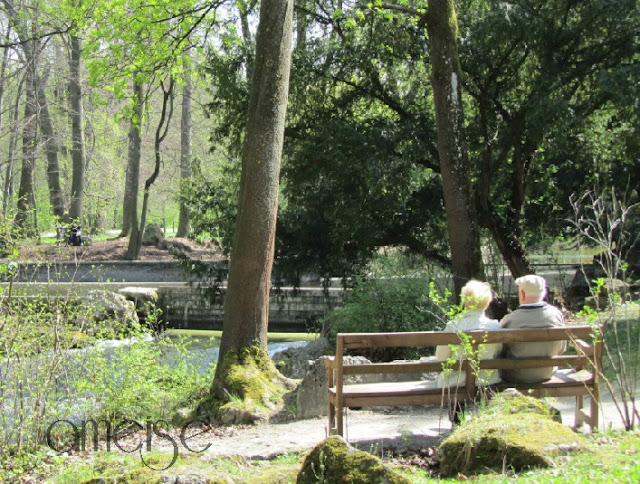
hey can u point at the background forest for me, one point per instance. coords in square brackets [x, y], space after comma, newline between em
[121, 112]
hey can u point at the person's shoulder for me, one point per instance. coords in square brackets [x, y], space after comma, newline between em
[509, 319]
[554, 313]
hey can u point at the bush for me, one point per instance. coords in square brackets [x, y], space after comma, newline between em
[389, 305]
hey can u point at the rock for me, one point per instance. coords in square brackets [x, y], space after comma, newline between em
[580, 289]
[153, 235]
[176, 245]
[185, 479]
[107, 314]
[294, 362]
[144, 298]
[311, 394]
[140, 295]
[334, 460]
[512, 430]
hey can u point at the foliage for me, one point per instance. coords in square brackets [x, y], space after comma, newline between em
[148, 380]
[211, 198]
[50, 369]
[393, 304]
[544, 103]
[610, 223]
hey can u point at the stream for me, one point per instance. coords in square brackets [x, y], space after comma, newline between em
[62, 384]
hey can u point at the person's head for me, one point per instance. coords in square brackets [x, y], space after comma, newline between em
[531, 289]
[476, 295]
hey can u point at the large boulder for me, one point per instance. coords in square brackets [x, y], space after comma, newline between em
[106, 314]
[516, 431]
[145, 299]
[153, 235]
[334, 460]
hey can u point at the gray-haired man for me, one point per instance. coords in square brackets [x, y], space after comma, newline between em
[533, 312]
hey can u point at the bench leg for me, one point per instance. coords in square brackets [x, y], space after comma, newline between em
[340, 421]
[332, 416]
[579, 415]
[595, 409]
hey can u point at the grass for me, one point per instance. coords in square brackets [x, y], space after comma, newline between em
[608, 457]
[131, 469]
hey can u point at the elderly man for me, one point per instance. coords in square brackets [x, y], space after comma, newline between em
[533, 312]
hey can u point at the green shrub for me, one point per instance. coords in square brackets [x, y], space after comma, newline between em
[393, 304]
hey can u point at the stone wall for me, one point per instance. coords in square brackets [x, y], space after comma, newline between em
[185, 306]
[289, 309]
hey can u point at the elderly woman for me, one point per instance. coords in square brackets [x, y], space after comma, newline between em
[475, 296]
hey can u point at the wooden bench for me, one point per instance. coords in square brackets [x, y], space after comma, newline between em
[585, 360]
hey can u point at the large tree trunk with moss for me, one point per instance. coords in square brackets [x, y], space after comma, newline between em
[244, 338]
[462, 219]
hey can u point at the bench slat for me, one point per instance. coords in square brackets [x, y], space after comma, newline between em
[435, 338]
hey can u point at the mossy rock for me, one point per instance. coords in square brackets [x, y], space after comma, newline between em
[248, 388]
[334, 460]
[77, 339]
[516, 431]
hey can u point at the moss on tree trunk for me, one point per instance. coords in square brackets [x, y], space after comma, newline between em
[251, 388]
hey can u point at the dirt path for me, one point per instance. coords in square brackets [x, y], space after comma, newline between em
[374, 431]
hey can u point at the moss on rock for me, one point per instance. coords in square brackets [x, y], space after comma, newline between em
[334, 460]
[515, 431]
[250, 388]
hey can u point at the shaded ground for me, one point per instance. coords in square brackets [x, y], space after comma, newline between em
[108, 250]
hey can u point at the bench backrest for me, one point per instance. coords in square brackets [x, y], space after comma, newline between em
[588, 350]
[434, 338]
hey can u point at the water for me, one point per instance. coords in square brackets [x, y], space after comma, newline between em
[47, 380]
[203, 351]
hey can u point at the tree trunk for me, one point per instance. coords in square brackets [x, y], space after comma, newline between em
[132, 180]
[247, 300]
[133, 251]
[7, 191]
[13, 141]
[462, 219]
[25, 190]
[51, 149]
[77, 132]
[185, 147]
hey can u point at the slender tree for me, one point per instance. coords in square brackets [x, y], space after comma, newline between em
[130, 203]
[77, 129]
[185, 145]
[135, 241]
[25, 207]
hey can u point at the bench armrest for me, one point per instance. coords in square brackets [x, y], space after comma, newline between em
[583, 347]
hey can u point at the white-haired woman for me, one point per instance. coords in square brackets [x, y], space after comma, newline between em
[476, 297]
